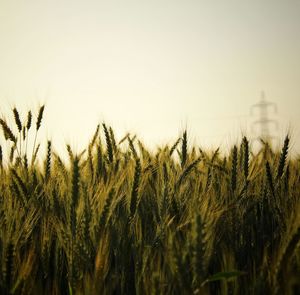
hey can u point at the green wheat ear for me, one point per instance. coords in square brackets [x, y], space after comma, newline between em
[29, 120]
[113, 140]
[8, 134]
[135, 188]
[20, 186]
[187, 171]
[1, 157]
[105, 211]
[40, 117]
[48, 161]
[109, 146]
[17, 119]
[70, 153]
[174, 146]
[270, 178]
[132, 148]
[184, 149]
[234, 168]
[283, 157]
[74, 194]
[246, 157]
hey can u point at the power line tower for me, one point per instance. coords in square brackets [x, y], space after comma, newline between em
[264, 122]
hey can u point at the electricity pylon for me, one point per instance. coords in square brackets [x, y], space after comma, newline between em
[264, 122]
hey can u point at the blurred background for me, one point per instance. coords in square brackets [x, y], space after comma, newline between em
[153, 68]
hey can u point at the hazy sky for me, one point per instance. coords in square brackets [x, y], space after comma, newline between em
[151, 67]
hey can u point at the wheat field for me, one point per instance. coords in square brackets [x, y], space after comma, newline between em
[119, 219]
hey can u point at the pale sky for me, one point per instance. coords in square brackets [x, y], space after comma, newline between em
[151, 67]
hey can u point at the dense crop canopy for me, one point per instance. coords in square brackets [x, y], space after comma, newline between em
[118, 219]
